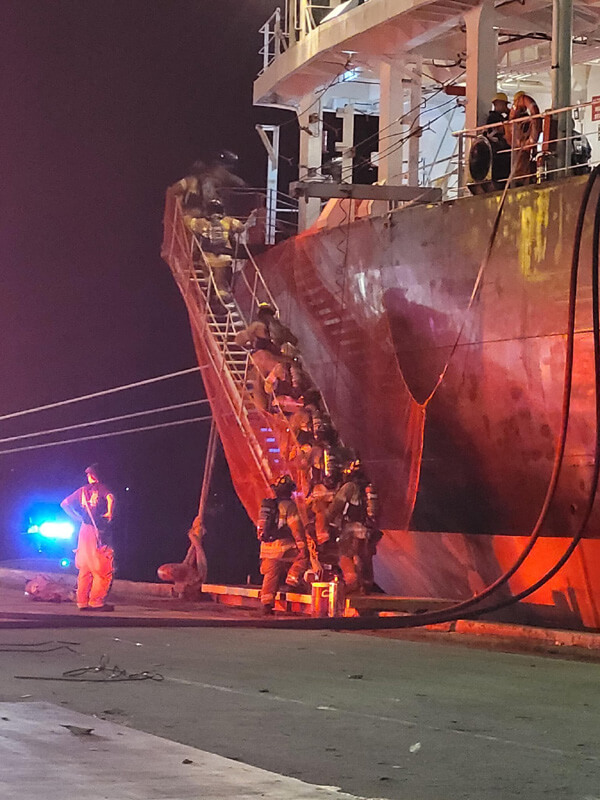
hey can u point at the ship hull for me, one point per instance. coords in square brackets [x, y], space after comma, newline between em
[462, 469]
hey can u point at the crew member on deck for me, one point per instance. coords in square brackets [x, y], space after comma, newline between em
[499, 112]
[497, 139]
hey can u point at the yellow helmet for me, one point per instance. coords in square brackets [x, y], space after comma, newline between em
[517, 97]
[500, 96]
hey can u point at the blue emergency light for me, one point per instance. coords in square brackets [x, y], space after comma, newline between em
[53, 530]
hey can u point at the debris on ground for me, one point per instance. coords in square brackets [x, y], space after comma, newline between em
[44, 589]
[77, 731]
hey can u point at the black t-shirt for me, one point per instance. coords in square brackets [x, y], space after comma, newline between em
[91, 503]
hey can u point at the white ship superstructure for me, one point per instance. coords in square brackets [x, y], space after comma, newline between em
[427, 69]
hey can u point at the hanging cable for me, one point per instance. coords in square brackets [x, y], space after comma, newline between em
[102, 421]
[404, 115]
[406, 135]
[102, 393]
[105, 435]
[320, 93]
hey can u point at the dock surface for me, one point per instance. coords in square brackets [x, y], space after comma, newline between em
[378, 717]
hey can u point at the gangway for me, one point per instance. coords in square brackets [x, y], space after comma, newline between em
[257, 444]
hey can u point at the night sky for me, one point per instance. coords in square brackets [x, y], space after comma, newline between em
[104, 104]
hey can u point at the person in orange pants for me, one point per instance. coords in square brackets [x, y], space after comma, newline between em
[93, 506]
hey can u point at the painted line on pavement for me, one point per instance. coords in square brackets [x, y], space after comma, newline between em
[382, 718]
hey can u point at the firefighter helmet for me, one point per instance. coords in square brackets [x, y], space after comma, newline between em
[228, 159]
[353, 467]
[215, 207]
[284, 486]
[266, 308]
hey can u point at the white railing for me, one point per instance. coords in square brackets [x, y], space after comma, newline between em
[275, 37]
[284, 28]
[275, 210]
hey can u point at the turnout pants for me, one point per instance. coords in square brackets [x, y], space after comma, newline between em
[280, 562]
[96, 568]
[356, 558]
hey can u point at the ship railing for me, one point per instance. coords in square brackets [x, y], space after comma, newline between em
[256, 288]
[271, 215]
[275, 37]
[285, 27]
[550, 157]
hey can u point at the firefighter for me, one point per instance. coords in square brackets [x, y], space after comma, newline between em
[317, 504]
[206, 182]
[279, 333]
[288, 382]
[217, 239]
[93, 506]
[266, 356]
[302, 423]
[283, 545]
[354, 514]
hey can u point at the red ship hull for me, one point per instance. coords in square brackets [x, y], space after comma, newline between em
[377, 305]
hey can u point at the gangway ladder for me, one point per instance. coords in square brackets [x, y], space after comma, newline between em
[217, 329]
[230, 362]
[223, 327]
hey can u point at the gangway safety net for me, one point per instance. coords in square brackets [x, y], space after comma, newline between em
[250, 472]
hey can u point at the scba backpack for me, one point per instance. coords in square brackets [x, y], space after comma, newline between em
[268, 520]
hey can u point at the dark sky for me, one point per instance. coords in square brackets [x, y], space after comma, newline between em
[104, 103]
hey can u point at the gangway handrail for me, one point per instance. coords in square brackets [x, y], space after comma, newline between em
[188, 279]
[235, 390]
[272, 302]
[258, 276]
[233, 385]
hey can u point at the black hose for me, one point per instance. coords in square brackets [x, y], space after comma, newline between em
[596, 338]
[565, 413]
